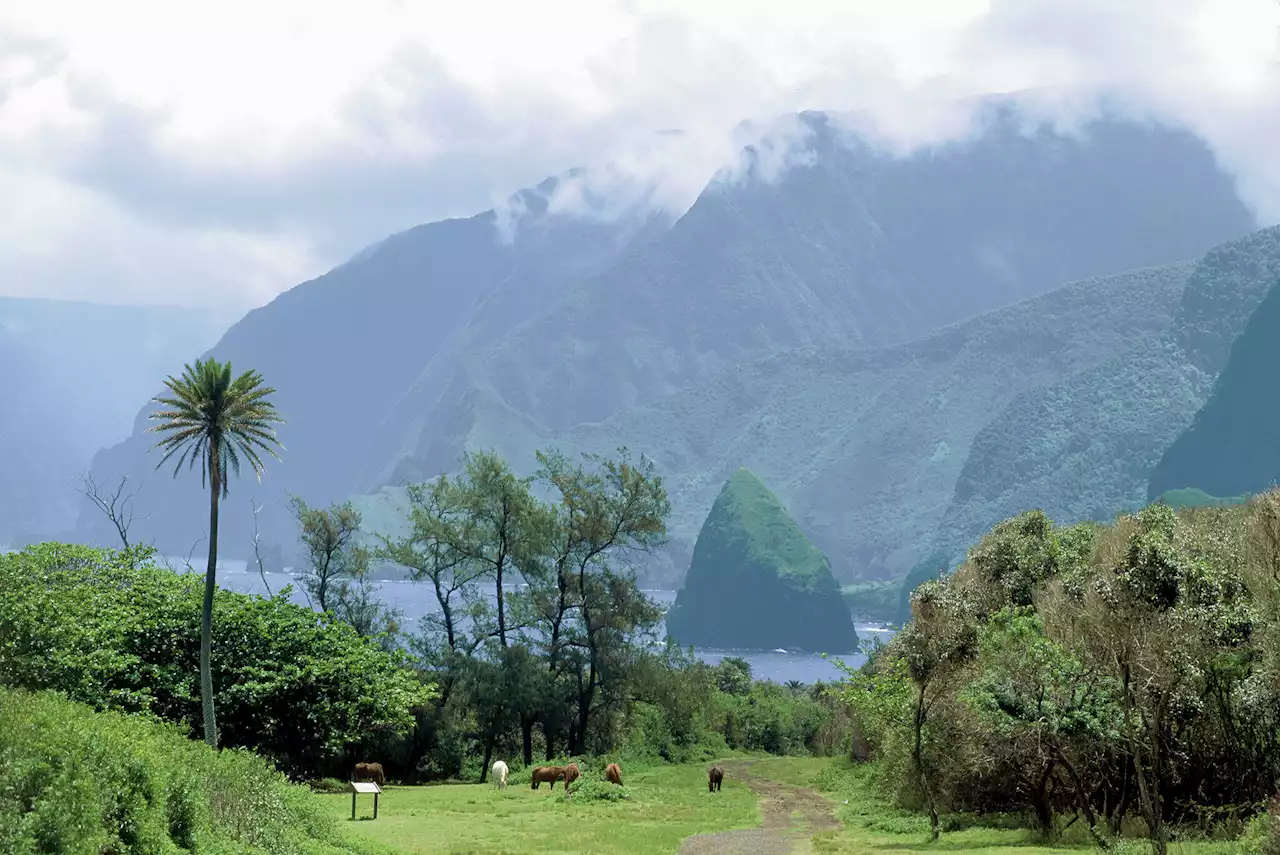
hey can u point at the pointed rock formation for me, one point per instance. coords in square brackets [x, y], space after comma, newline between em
[756, 582]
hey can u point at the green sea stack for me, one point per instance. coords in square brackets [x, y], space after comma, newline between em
[756, 582]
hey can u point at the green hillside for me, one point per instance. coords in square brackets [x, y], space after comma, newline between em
[457, 336]
[864, 447]
[1233, 444]
[756, 582]
[1084, 447]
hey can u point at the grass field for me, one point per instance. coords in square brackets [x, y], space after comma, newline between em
[668, 804]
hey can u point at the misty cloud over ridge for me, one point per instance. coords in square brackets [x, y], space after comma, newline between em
[161, 156]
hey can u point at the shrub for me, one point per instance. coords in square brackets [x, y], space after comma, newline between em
[113, 630]
[73, 781]
[595, 790]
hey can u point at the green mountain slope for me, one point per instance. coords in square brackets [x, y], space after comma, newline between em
[342, 348]
[854, 248]
[756, 582]
[457, 336]
[865, 446]
[1084, 448]
[1233, 444]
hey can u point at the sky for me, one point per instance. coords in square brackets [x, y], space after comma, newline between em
[216, 154]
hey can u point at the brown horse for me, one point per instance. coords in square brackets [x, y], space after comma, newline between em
[369, 772]
[571, 774]
[550, 774]
[613, 774]
[714, 778]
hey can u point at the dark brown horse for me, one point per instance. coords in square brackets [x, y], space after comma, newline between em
[369, 772]
[714, 779]
[571, 774]
[549, 774]
[613, 774]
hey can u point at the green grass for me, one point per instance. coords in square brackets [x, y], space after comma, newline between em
[666, 804]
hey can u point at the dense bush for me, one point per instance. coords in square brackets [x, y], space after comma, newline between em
[695, 712]
[1124, 673]
[115, 631]
[81, 782]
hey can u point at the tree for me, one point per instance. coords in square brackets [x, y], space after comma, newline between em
[940, 639]
[502, 525]
[610, 511]
[115, 630]
[217, 420]
[330, 538]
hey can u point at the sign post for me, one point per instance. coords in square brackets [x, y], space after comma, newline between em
[357, 787]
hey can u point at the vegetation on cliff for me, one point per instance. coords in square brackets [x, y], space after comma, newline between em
[756, 582]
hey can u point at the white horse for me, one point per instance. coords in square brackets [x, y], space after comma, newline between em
[500, 774]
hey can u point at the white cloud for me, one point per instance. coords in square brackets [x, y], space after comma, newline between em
[160, 151]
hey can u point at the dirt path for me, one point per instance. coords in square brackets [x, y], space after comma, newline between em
[791, 816]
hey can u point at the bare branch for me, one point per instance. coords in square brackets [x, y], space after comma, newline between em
[116, 505]
[257, 541]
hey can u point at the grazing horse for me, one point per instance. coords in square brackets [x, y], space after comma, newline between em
[369, 772]
[500, 774]
[571, 774]
[547, 773]
[714, 778]
[613, 774]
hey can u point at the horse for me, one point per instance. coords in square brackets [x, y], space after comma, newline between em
[546, 773]
[571, 774]
[369, 772]
[714, 778]
[613, 774]
[500, 774]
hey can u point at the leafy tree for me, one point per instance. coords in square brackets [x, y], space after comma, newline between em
[609, 510]
[1046, 707]
[339, 578]
[113, 630]
[330, 540]
[216, 420]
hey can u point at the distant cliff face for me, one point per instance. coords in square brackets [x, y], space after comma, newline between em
[756, 582]
[72, 376]
[1233, 445]
[448, 337]
[1085, 447]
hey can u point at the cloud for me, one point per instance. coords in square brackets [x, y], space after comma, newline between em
[156, 153]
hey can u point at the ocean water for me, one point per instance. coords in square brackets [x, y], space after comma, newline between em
[415, 600]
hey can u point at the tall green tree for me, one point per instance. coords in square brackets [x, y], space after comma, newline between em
[218, 420]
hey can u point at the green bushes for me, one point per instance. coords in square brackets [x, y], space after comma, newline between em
[695, 712]
[76, 781]
[1125, 674]
[117, 632]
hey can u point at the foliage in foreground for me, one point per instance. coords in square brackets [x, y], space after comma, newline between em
[80, 782]
[1125, 674]
[113, 630]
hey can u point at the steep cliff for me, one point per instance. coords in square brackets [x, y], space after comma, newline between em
[756, 582]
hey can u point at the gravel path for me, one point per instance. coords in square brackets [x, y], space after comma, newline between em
[791, 816]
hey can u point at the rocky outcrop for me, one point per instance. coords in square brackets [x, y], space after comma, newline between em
[756, 582]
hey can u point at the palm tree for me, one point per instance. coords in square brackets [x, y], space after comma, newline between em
[216, 420]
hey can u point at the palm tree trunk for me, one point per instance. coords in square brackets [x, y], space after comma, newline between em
[206, 619]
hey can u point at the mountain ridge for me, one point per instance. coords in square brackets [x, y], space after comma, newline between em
[445, 337]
